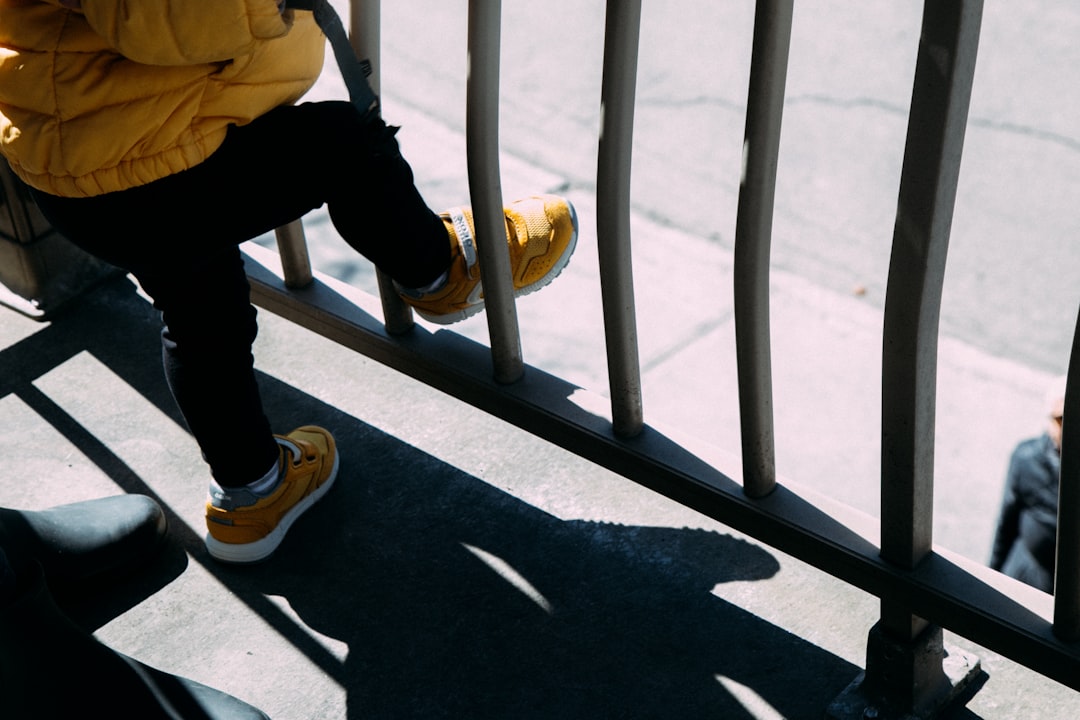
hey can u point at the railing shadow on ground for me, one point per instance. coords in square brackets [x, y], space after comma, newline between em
[460, 599]
[467, 602]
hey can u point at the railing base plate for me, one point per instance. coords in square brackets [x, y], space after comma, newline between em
[962, 676]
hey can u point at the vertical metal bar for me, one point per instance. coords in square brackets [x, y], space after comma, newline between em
[365, 23]
[292, 248]
[906, 671]
[485, 187]
[1067, 570]
[944, 70]
[753, 239]
[621, 33]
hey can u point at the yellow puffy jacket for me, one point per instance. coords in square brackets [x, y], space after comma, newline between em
[119, 93]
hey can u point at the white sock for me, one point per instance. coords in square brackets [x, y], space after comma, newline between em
[268, 481]
[434, 285]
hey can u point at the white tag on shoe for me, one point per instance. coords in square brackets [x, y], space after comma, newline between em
[465, 236]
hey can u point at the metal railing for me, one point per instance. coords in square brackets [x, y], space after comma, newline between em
[922, 588]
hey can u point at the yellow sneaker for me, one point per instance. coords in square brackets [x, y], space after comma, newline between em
[244, 527]
[541, 232]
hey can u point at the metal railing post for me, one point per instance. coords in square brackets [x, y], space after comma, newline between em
[295, 260]
[753, 238]
[485, 187]
[621, 32]
[905, 669]
[365, 33]
[943, 78]
[365, 22]
[1067, 564]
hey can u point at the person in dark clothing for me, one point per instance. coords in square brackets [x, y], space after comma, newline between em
[1026, 535]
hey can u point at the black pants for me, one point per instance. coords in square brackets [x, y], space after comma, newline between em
[179, 237]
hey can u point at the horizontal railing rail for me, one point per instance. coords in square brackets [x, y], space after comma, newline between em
[922, 587]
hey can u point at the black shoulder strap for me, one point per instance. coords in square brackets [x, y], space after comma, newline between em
[353, 70]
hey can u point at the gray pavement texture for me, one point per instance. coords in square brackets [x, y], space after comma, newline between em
[465, 569]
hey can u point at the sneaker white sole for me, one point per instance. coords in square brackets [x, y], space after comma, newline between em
[264, 548]
[543, 281]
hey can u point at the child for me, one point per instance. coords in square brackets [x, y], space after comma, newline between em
[161, 134]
